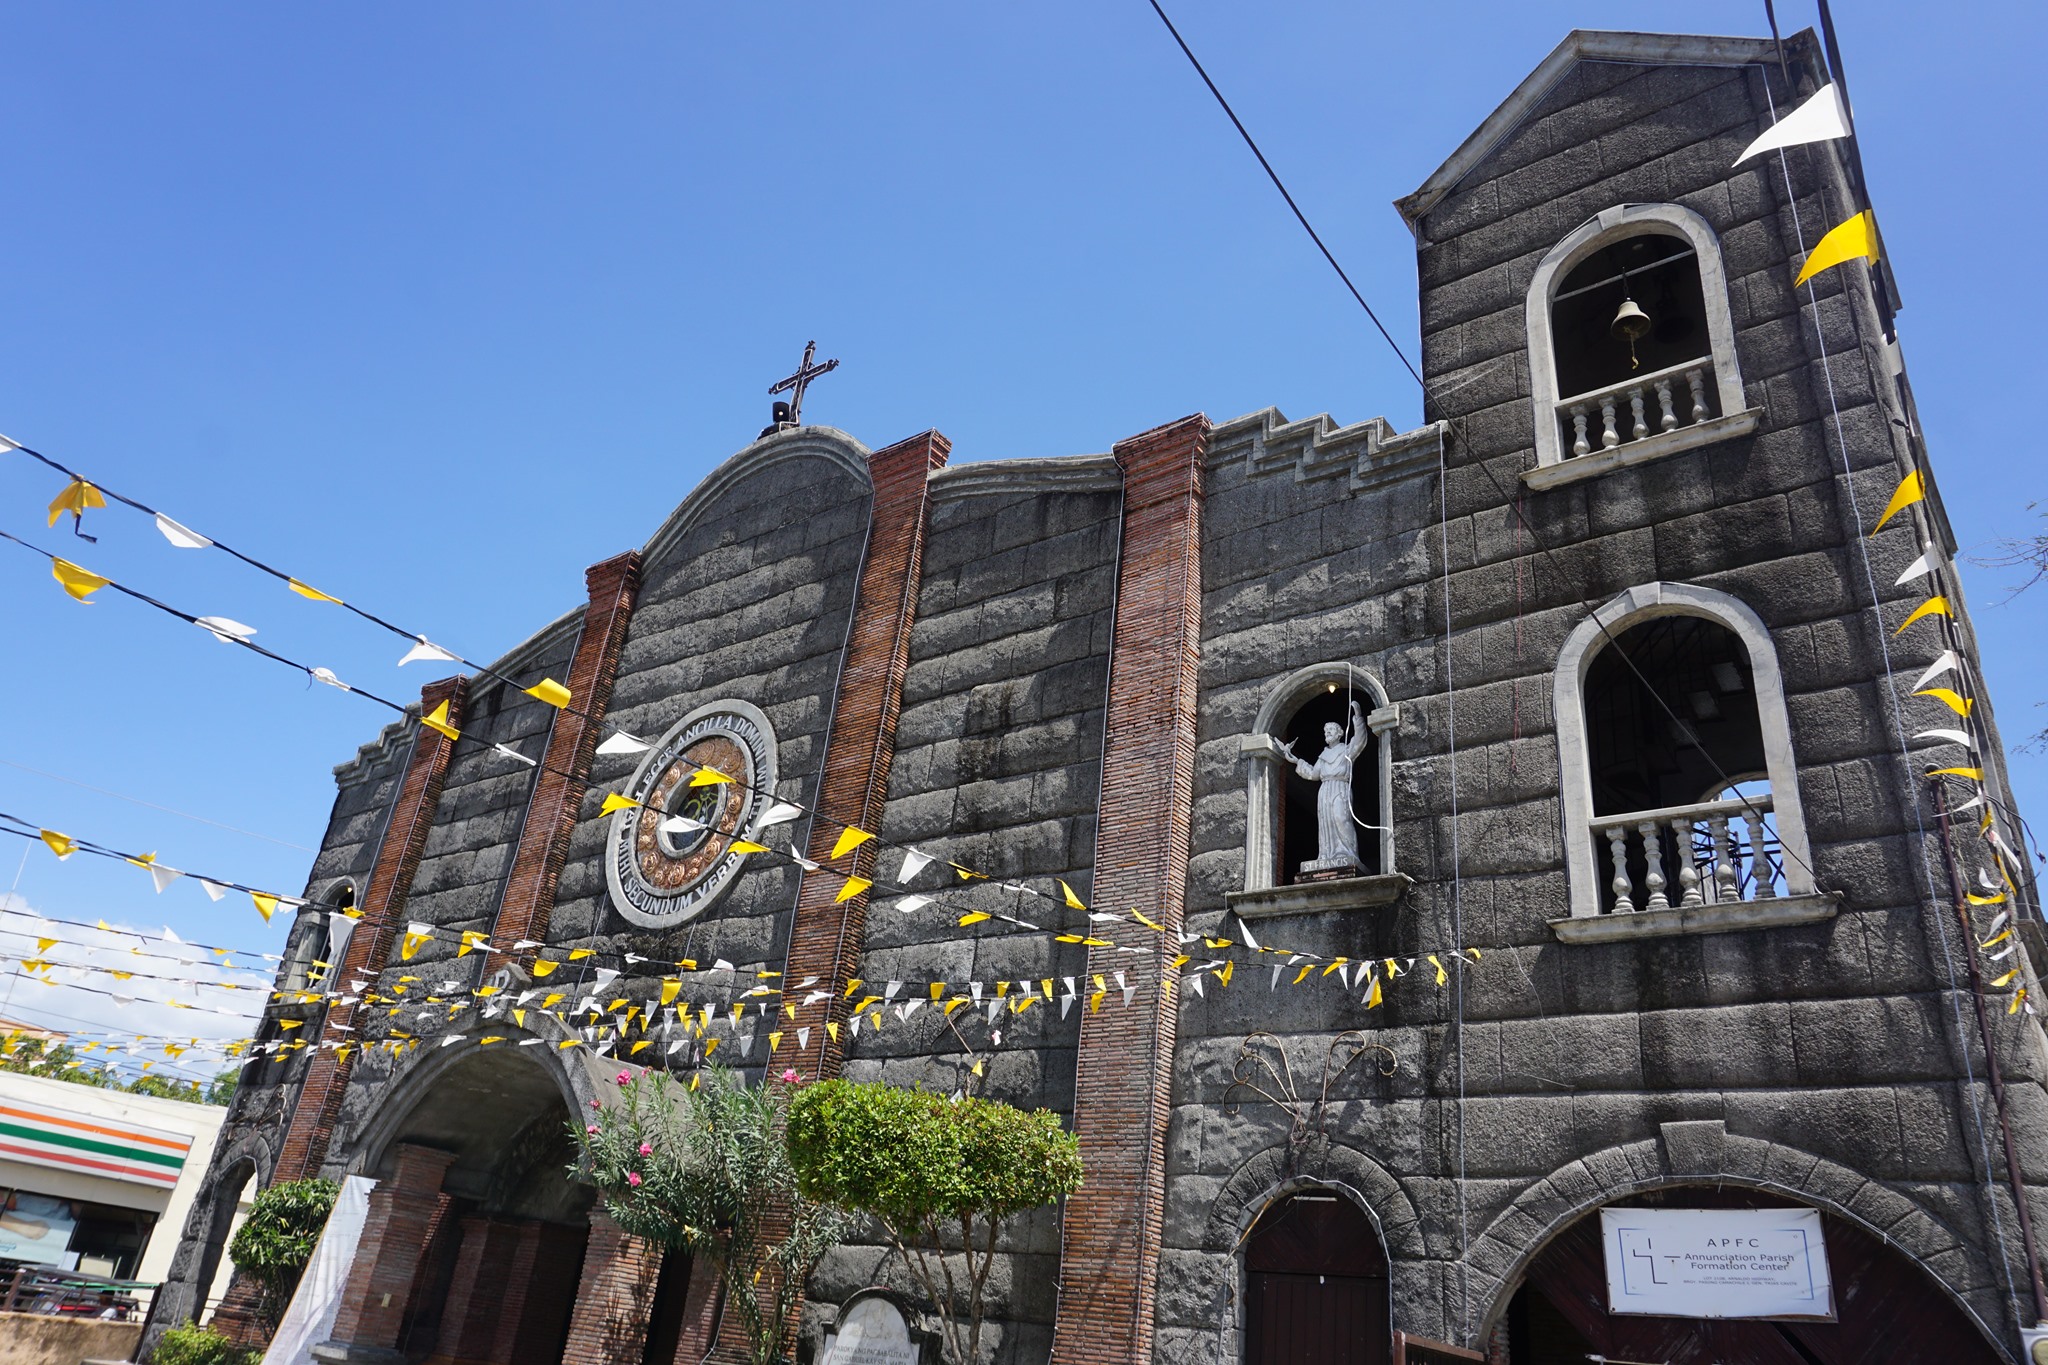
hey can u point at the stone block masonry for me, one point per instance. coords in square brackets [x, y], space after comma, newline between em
[1109, 1259]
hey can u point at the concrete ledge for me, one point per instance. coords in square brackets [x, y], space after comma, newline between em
[1698, 919]
[1641, 452]
[1351, 893]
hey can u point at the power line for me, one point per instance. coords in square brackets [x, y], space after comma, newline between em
[151, 805]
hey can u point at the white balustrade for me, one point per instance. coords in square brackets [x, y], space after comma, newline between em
[1721, 851]
[1624, 409]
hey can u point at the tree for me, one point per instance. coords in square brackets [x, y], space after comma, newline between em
[2029, 554]
[937, 1174]
[53, 1061]
[277, 1239]
[705, 1170]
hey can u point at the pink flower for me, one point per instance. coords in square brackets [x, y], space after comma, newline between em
[633, 1178]
[592, 1130]
[597, 1104]
[790, 1077]
[625, 1078]
[646, 1149]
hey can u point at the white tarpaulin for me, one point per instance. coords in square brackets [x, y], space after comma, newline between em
[310, 1319]
[1717, 1263]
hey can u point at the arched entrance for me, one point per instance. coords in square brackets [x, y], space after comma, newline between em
[1316, 1290]
[1887, 1308]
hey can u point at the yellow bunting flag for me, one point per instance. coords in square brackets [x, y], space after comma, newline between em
[1373, 998]
[1911, 489]
[1933, 606]
[63, 845]
[644, 1043]
[266, 904]
[2007, 978]
[437, 721]
[2018, 998]
[544, 966]
[1972, 774]
[411, 945]
[849, 839]
[76, 497]
[80, 583]
[670, 988]
[746, 846]
[311, 593]
[1441, 975]
[1302, 975]
[43, 945]
[1958, 704]
[708, 777]
[1140, 917]
[1848, 241]
[578, 954]
[613, 803]
[774, 1041]
[551, 692]
[1223, 977]
[1074, 902]
[832, 1029]
[854, 886]
[471, 941]
[971, 917]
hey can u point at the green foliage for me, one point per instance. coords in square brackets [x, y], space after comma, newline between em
[190, 1344]
[277, 1238]
[705, 1170]
[35, 1057]
[922, 1165]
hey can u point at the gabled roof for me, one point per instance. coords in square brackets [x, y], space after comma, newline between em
[1582, 45]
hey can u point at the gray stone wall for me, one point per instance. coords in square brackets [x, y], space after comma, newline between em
[997, 767]
[1837, 1042]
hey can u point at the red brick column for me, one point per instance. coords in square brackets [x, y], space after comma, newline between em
[701, 1305]
[609, 1324]
[529, 900]
[511, 1278]
[383, 906]
[827, 936]
[480, 1292]
[1109, 1257]
[395, 1235]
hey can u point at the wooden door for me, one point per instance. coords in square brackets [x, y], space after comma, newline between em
[1316, 1286]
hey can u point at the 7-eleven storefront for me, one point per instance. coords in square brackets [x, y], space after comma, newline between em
[97, 1181]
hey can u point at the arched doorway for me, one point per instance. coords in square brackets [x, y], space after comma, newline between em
[1316, 1289]
[1886, 1307]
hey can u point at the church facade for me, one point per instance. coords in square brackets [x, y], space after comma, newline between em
[1476, 829]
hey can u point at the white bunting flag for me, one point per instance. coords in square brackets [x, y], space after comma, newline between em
[781, 813]
[164, 876]
[1245, 932]
[1948, 737]
[184, 537]
[681, 824]
[510, 752]
[913, 863]
[426, 650]
[1946, 663]
[1925, 564]
[911, 903]
[605, 977]
[1820, 119]
[214, 890]
[622, 743]
[326, 675]
[225, 629]
[803, 1037]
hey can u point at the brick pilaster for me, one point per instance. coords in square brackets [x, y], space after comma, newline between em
[702, 1301]
[1109, 1254]
[383, 906]
[478, 1292]
[826, 939]
[615, 1298]
[529, 900]
[396, 1231]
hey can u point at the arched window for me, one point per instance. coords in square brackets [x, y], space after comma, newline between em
[1680, 790]
[318, 941]
[1311, 829]
[1631, 344]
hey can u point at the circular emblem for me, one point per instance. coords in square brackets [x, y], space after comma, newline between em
[671, 859]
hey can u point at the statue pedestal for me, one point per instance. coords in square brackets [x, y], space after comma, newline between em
[1330, 869]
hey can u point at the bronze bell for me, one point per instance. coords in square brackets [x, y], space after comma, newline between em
[1631, 323]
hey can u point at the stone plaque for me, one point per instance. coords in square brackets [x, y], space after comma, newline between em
[871, 1332]
[671, 858]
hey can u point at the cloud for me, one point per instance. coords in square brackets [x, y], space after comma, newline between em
[79, 994]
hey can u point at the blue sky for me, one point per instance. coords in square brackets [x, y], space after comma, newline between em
[434, 305]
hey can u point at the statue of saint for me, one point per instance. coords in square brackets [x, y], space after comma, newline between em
[1336, 832]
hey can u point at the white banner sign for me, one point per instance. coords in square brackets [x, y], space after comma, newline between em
[1717, 1263]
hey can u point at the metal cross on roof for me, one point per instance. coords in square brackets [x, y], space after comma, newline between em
[798, 382]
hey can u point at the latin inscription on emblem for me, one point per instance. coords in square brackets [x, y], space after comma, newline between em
[669, 860]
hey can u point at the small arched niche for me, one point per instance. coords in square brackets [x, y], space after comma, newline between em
[1311, 719]
[318, 940]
